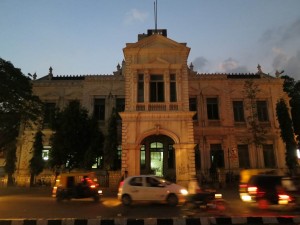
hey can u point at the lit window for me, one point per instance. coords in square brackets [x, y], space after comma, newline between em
[45, 152]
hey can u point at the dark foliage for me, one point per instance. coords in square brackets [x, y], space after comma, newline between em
[18, 106]
[76, 141]
[36, 163]
[287, 134]
[292, 88]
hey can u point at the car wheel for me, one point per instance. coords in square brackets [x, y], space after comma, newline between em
[263, 203]
[126, 200]
[172, 200]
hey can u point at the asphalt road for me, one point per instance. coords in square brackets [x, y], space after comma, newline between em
[38, 203]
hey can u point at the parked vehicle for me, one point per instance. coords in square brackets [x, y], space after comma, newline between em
[76, 185]
[267, 190]
[150, 188]
[207, 199]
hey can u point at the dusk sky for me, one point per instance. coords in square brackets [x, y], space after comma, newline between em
[80, 37]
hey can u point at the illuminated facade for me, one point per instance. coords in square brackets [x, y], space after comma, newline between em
[175, 122]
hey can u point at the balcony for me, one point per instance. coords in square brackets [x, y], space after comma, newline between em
[157, 107]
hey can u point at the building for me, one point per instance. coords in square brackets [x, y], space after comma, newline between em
[175, 122]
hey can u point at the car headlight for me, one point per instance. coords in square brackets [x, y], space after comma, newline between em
[183, 191]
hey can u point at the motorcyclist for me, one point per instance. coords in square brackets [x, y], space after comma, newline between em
[196, 194]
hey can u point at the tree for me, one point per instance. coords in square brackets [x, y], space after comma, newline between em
[73, 140]
[292, 88]
[10, 159]
[287, 134]
[95, 149]
[18, 106]
[36, 163]
[258, 132]
[111, 144]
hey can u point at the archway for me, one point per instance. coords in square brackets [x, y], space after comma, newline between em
[157, 156]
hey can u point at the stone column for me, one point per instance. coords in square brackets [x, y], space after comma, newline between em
[131, 159]
[185, 163]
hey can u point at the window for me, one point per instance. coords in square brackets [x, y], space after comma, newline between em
[152, 182]
[243, 153]
[140, 94]
[136, 181]
[143, 157]
[173, 96]
[193, 107]
[269, 157]
[49, 115]
[157, 93]
[119, 159]
[217, 156]
[238, 111]
[45, 153]
[212, 108]
[156, 158]
[98, 163]
[99, 109]
[262, 111]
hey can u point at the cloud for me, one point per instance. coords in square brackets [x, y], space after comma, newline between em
[134, 15]
[280, 59]
[232, 66]
[292, 66]
[291, 32]
[200, 63]
[281, 45]
[282, 35]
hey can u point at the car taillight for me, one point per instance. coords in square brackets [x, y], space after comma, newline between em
[121, 184]
[243, 186]
[252, 190]
[284, 199]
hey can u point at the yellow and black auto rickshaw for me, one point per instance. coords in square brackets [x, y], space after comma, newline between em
[76, 185]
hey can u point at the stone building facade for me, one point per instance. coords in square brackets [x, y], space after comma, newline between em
[174, 122]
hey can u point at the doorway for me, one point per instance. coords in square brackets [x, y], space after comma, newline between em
[157, 156]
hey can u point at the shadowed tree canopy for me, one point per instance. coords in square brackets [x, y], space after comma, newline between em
[18, 106]
[17, 102]
[287, 134]
[76, 141]
[292, 88]
[36, 163]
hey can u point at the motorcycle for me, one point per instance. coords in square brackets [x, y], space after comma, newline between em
[207, 200]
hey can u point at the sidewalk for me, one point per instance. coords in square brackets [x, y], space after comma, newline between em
[43, 191]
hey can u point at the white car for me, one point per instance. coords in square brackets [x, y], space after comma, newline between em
[150, 188]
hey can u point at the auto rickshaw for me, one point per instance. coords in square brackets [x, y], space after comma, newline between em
[76, 185]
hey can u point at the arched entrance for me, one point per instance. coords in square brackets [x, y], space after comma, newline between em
[157, 156]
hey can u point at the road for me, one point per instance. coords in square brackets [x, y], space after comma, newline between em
[37, 203]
